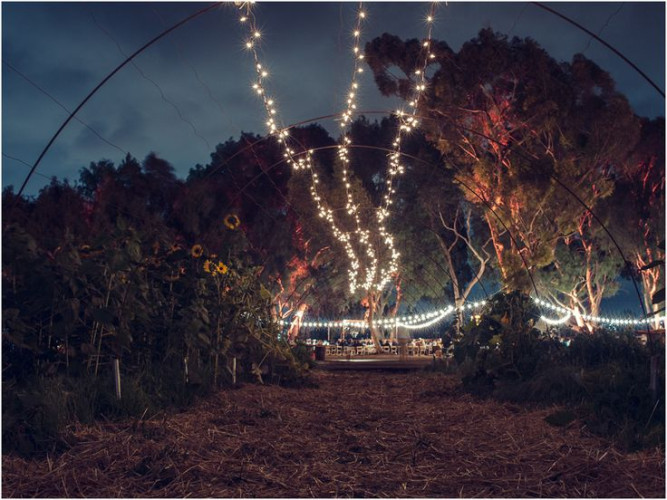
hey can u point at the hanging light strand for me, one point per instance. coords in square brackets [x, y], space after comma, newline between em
[299, 161]
[407, 122]
[351, 207]
[424, 320]
[573, 313]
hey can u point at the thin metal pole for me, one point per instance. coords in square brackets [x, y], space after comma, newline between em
[615, 51]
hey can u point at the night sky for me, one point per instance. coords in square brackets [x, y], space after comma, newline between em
[204, 73]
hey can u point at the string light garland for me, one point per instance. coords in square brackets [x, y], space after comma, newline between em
[570, 313]
[407, 122]
[412, 322]
[299, 161]
[426, 320]
[374, 279]
[554, 322]
[351, 207]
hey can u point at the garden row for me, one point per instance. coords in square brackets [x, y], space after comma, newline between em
[119, 327]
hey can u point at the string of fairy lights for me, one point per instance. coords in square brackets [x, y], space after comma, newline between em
[298, 161]
[428, 319]
[351, 207]
[407, 122]
[303, 160]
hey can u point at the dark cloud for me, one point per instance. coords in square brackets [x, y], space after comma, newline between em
[203, 70]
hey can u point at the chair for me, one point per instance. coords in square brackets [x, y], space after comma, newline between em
[386, 349]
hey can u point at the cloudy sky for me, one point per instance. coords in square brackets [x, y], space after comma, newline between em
[191, 90]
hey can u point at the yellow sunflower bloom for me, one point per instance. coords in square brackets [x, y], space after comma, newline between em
[232, 221]
[221, 268]
[207, 266]
[197, 251]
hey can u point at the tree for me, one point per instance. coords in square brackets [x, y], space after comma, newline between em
[640, 226]
[516, 126]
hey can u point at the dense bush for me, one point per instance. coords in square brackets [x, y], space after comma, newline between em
[604, 375]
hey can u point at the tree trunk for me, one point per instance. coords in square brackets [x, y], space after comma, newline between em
[497, 245]
[373, 301]
[651, 281]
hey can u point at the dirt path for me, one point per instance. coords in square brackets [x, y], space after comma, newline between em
[357, 434]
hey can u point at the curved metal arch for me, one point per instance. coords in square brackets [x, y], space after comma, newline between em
[101, 84]
[603, 42]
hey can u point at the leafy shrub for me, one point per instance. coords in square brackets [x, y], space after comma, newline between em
[503, 345]
[604, 375]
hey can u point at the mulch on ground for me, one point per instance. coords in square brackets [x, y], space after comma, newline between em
[356, 434]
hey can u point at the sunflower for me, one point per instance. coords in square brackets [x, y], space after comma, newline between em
[197, 251]
[207, 266]
[221, 268]
[232, 221]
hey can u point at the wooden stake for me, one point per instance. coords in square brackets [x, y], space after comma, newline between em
[116, 372]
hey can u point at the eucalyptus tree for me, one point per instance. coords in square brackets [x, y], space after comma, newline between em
[640, 225]
[521, 130]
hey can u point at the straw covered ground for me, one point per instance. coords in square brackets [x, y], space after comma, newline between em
[354, 434]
